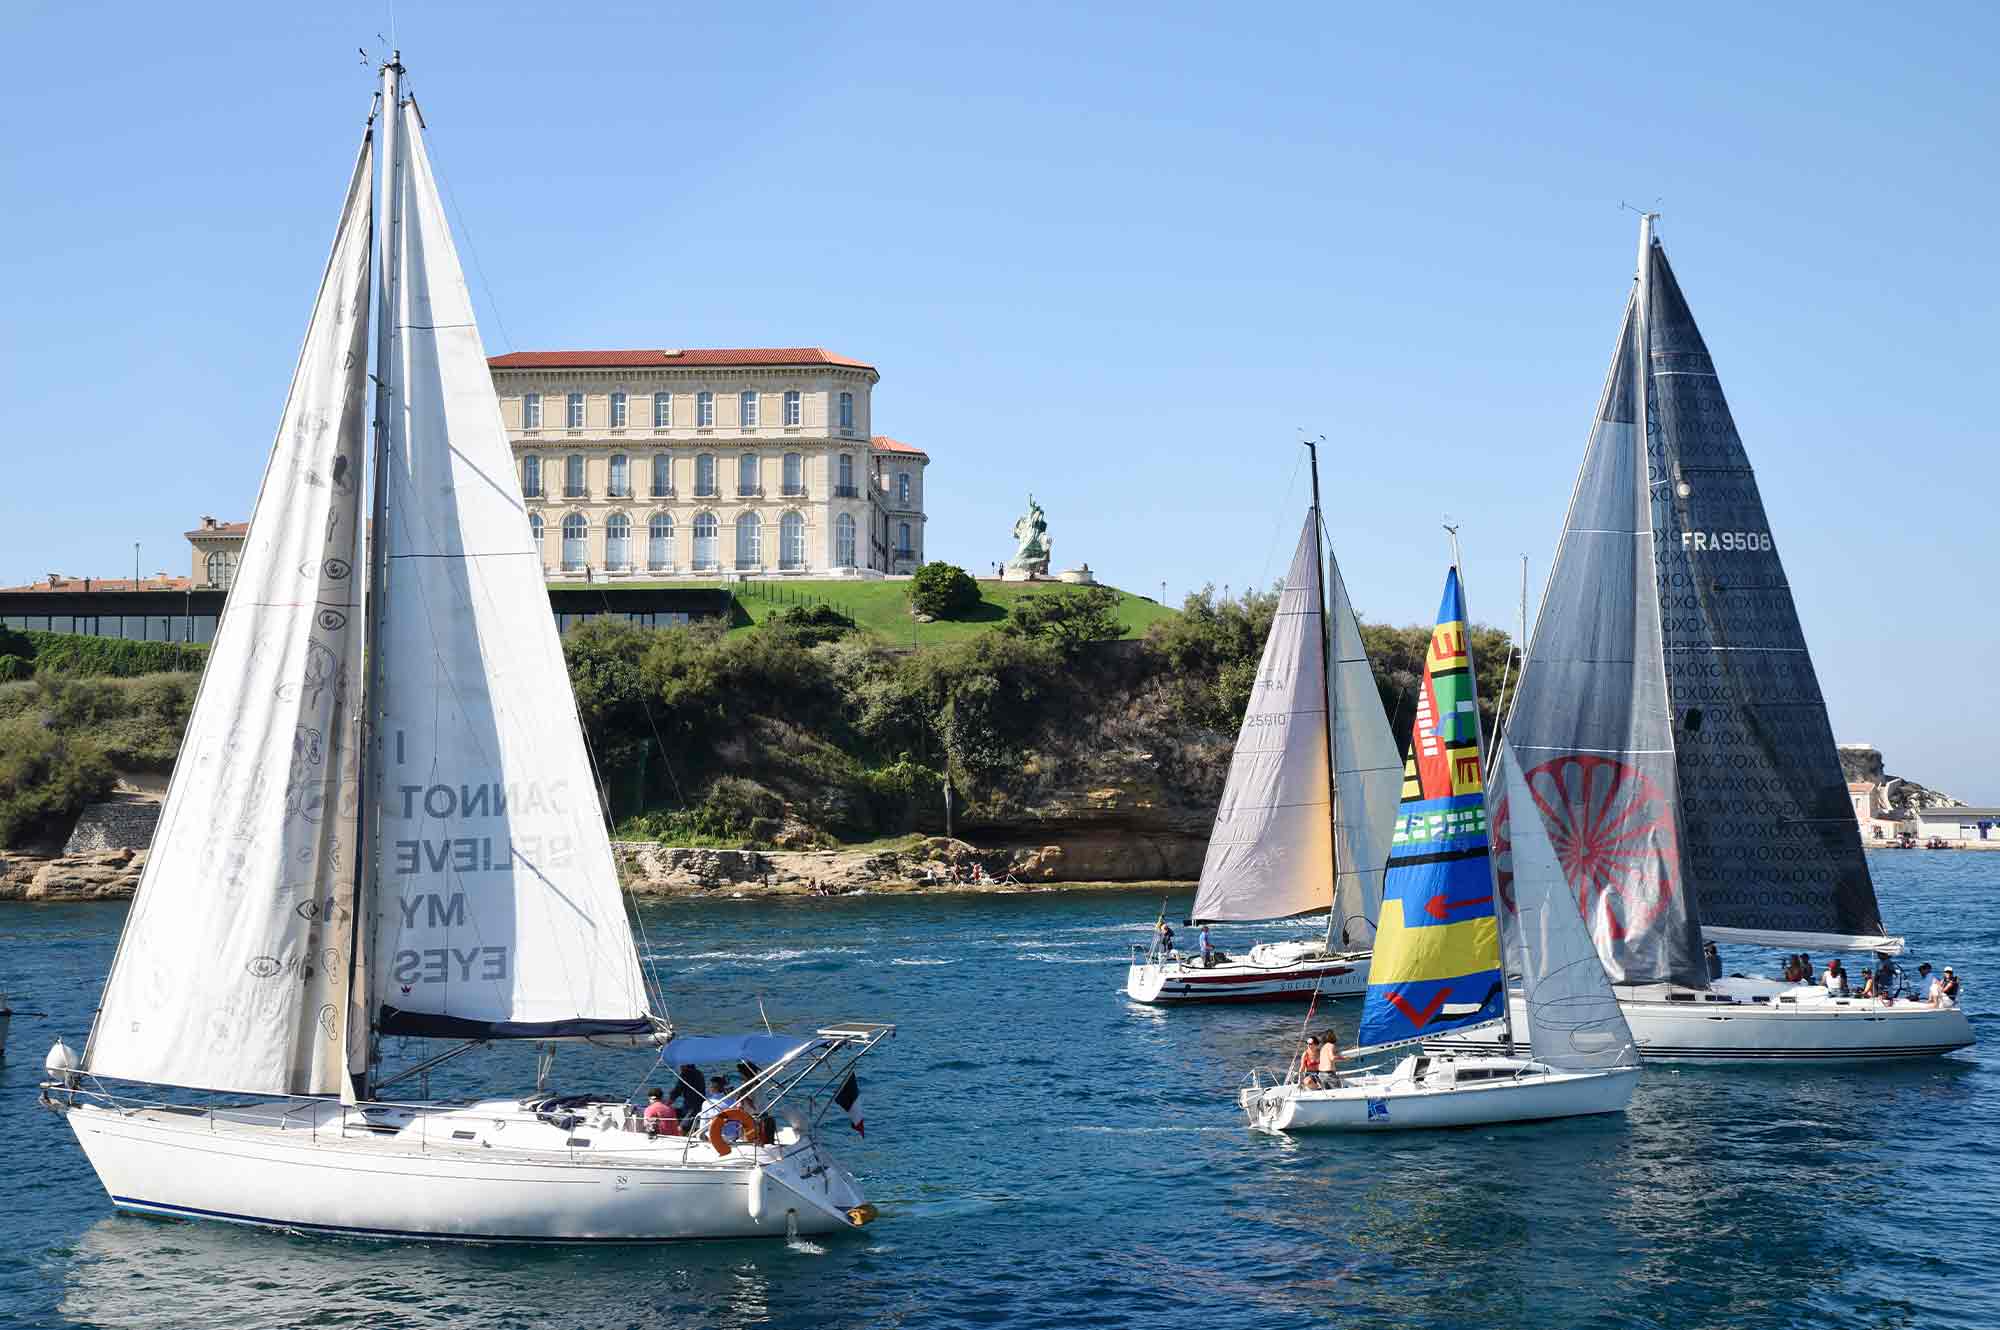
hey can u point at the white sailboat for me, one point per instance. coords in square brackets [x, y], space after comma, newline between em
[1437, 959]
[1303, 826]
[1673, 732]
[418, 852]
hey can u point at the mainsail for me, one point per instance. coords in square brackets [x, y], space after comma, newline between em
[1770, 843]
[497, 904]
[233, 968]
[1271, 852]
[1436, 964]
[1590, 724]
[1368, 769]
[1574, 1023]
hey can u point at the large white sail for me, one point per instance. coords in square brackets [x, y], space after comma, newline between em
[498, 911]
[1271, 852]
[1368, 770]
[232, 972]
[1573, 1019]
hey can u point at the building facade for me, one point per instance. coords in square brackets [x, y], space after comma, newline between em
[665, 464]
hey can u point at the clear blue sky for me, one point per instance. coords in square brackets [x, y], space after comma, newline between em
[1117, 257]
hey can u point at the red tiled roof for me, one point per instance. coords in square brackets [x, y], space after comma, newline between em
[655, 359]
[220, 529]
[74, 584]
[882, 443]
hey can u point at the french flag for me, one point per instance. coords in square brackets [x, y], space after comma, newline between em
[849, 1099]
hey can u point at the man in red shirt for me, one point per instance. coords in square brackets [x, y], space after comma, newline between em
[660, 1119]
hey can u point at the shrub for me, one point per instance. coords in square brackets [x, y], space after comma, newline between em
[943, 591]
[809, 625]
[45, 779]
[1069, 619]
[78, 655]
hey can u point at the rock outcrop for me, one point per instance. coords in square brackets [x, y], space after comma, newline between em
[1863, 762]
[91, 875]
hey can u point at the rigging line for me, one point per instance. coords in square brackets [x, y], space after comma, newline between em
[451, 198]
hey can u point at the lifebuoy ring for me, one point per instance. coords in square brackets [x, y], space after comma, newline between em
[748, 1133]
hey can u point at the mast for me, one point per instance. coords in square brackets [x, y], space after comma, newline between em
[1326, 686]
[389, 256]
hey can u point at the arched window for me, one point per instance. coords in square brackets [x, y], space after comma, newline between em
[843, 541]
[845, 489]
[621, 476]
[575, 539]
[618, 541]
[573, 476]
[663, 475]
[660, 541]
[535, 530]
[795, 474]
[221, 569]
[704, 475]
[749, 541]
[791, 541]
[531, 477]
[746, 474]
[706, 556]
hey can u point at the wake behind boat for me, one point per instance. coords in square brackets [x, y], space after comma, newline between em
[1673, 731]
[418, 853]
[1437, 960]
[1303, 826]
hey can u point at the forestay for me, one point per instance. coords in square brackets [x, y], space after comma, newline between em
[1771, 845]
[498, 910]
[1271, 852]
[1590, 724]
[1368, 770]
[232, 971]
[1574, 1023]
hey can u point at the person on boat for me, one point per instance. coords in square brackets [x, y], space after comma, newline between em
[660, 1119]
[1885, 979]
[1329, 1062]
[1309, 1064]
[686, 1096]
[1868, 989]
[1166, 939]
[718, 1099]
[1835, 979]
[1929, 986]
[1207, 949]
[1714, 959]
[1948, 989]
[1806, 972]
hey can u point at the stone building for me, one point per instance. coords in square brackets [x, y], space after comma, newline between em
[658, 464]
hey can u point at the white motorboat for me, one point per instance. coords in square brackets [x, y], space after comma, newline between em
[1673, 734]
[1437, 960]
[1763, 1020]
[1428, 1091]
[1303, 825]
[417, 852]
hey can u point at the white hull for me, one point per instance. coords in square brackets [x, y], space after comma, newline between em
[1754, 1020]
[1444, 1092]
[469, 1173]
[1285, 976]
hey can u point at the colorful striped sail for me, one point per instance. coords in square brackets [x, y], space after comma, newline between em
[1437, 947]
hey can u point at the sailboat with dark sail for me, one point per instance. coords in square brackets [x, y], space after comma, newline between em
[1303, 825]
[1673, 734]
[383, 823]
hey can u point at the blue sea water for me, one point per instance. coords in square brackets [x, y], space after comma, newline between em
[1046, 1154]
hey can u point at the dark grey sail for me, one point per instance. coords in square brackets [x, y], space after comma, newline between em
[1770, 844]
[1590, 726]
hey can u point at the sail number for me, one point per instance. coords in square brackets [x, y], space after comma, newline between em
[1726, 542]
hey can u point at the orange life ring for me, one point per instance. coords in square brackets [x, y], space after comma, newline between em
[748, 1134]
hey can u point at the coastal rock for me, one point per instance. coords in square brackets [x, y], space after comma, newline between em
[94, 875]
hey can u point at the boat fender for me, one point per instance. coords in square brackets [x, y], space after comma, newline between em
[60, 1064]
[861, 1214]
[757, 1194]
[748, 1132]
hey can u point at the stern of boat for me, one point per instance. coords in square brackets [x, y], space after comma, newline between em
[1146, 976]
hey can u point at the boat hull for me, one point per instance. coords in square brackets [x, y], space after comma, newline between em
[1751, 1021]
[1175, 982]
[1394, 1103]
[311, 1173]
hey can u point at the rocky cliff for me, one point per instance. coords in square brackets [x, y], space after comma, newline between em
[1863, 762]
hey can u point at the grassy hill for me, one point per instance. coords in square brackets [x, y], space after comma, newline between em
[882, 609]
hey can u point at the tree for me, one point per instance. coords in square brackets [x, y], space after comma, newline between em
[1069, 619]
[943, 591]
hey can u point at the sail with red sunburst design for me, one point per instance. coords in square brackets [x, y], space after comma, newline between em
[1436, 965]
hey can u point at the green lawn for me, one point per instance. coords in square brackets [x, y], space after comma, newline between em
[883, 608]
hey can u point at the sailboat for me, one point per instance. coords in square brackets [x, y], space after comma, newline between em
[1673, 733]
[1303, 826]
[383, 824]
[1437, 960]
